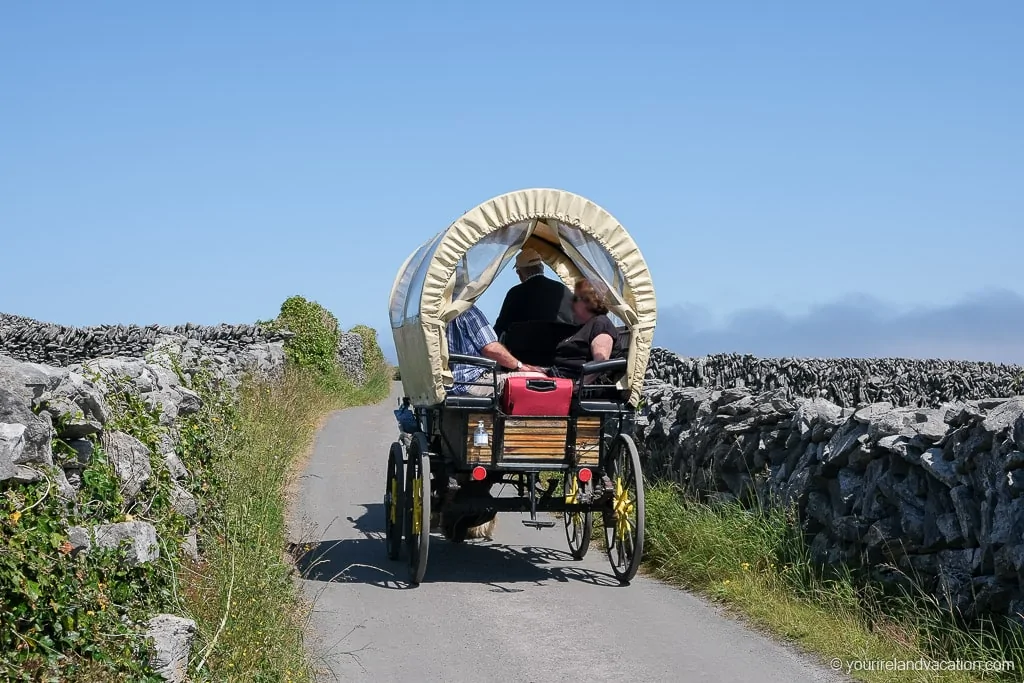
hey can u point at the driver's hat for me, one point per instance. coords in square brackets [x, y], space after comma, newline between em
[528, 257]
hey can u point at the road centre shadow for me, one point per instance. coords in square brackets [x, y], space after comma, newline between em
[364, 560]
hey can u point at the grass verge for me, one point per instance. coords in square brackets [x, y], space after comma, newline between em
[247, 608]
[758, 565]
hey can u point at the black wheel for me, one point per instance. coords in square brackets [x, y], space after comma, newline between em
[579, 526]
[417, 507]
[624, 523]
[394, 501]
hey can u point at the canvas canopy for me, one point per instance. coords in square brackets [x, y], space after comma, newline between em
[448, 273]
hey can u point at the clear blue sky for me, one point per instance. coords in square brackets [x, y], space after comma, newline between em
[201, 162]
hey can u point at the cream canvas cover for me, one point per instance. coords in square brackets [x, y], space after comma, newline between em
[575, 237]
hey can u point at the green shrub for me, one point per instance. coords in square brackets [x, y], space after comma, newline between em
[373, 357]
[315, 344]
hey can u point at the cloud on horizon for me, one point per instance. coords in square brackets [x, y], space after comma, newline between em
[986, 326]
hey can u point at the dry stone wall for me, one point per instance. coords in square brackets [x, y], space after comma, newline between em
[55, 384]
[42, 406]
[845, 381]
[928, 484]
[61, 345]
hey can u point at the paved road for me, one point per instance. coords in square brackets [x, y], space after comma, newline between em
[516, 609]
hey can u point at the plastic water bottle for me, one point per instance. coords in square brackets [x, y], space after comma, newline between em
[480, 435]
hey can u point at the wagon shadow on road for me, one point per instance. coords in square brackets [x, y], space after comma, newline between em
[364, 560]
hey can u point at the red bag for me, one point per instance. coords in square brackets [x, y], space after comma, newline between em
[537, 396]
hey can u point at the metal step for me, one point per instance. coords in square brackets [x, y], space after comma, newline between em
[538, 524]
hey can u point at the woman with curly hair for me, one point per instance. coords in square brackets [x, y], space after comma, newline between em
[597, 338]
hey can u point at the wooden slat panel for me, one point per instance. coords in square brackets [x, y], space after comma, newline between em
[588, 440]
[479, 454]
[550, 456]
[534, 439]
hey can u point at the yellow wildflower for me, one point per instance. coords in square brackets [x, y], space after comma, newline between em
[15, 516]
[745, 565]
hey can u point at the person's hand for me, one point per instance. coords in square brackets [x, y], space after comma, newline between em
[532, 368]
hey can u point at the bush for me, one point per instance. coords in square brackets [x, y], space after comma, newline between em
[315, 344]
[373, 357]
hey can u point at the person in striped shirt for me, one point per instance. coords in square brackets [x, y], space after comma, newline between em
[471, 334]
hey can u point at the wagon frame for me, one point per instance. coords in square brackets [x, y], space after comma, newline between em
[439, 474]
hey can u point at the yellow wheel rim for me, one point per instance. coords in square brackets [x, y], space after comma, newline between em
[624, 507]
[572, 496]
[417, 506]
[572, 492]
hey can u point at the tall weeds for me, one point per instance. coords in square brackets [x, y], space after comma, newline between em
[242, 595]
[756, 562]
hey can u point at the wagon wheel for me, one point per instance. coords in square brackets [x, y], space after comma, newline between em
[624, 523]
[578, 525]
[394, 502]
[417, 507]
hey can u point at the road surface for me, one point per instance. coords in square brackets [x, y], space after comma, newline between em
[517, 609]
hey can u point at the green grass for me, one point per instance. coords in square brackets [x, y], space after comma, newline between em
[248, 609]
[757, 565]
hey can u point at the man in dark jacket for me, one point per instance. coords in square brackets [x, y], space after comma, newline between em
[535, 298]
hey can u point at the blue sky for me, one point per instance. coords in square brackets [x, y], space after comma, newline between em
[805, 178]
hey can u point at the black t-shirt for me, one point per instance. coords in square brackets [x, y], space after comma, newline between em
[572, 352]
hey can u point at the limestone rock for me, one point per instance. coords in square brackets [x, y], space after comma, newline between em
[138, 539]
[172, 642]
[25, 440]
[130, 460]
[183, 502]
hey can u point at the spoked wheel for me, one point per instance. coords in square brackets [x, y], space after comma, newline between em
[417, 507]
[394, 501]
[624, 523]
[579, 526]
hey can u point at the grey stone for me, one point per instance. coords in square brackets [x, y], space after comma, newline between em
[183, 502]
[12, 444]
[967, 511]
[130, 460]
[929, 425]
[79, 538]
[895, 444]
[175, 467]
[843, 442]
[141, 546]
[79, 428]
[81, 393]
[172, 642]
[816, 411]
[28, 380]
[26, 439]
[873, 412]
[1004, 416]
[934, 462]
[83, 452]
[949, 527]
[351, 356]
[190, 546]
[1008, 522]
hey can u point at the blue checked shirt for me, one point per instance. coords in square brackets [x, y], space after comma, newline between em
[468, 334]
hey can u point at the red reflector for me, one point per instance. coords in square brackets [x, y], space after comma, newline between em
[479, 473]
[585, 475]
